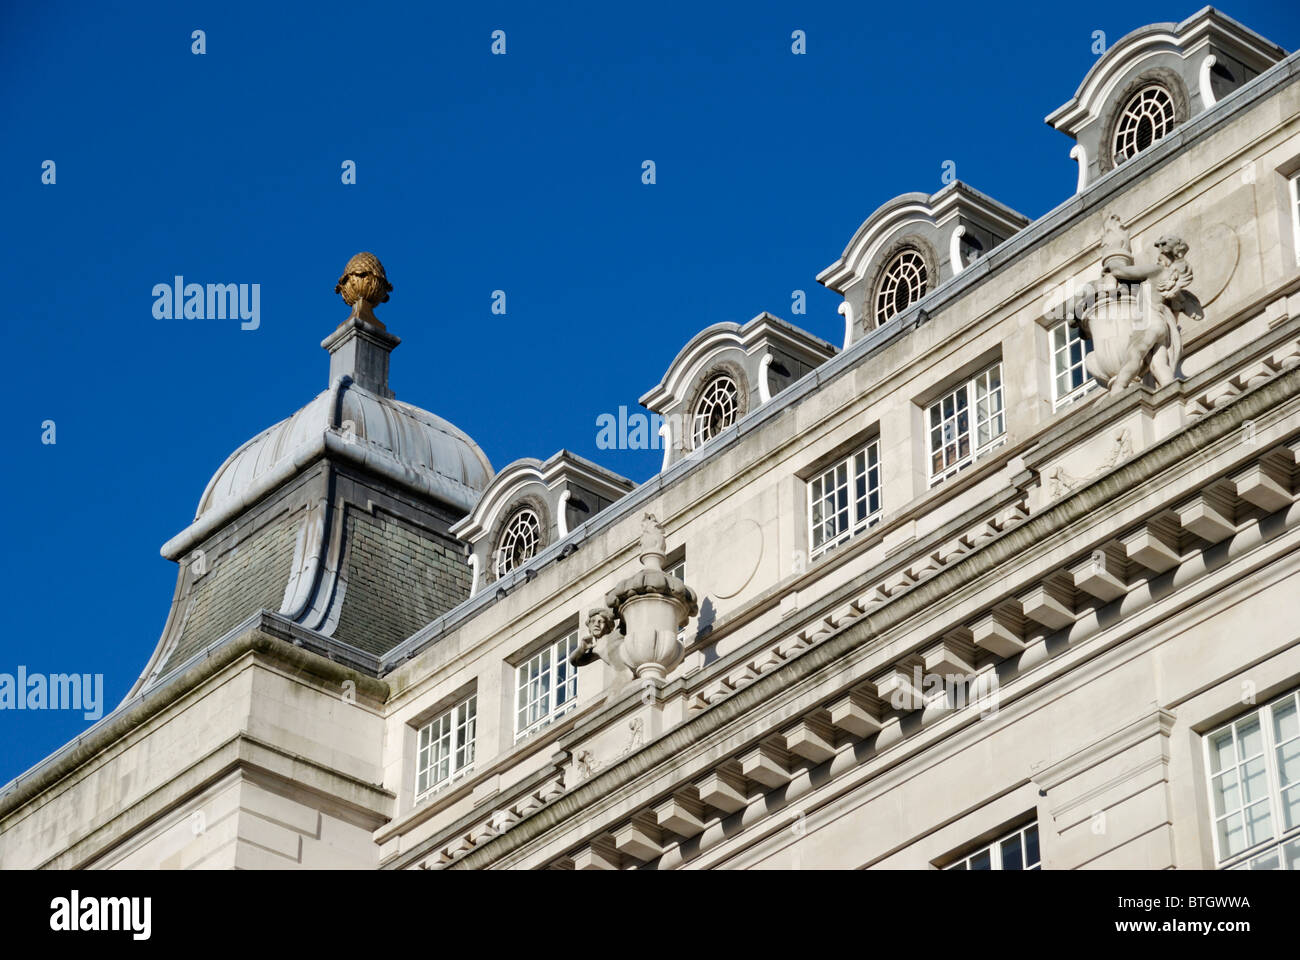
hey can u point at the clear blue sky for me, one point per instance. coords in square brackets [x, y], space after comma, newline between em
[474, 173]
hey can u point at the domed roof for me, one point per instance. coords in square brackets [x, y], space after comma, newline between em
[432, 454]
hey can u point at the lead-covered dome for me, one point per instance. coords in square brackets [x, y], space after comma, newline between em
[445, 462]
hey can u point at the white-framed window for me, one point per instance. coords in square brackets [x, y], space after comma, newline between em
[678, 570]
[519, 541]
[446, 747]
[546, 685]
[1295, 214]
[902, 283]
[966, 423]
[1147, 116]
[1253, 770]
[844, 499]
[717, 409]
[1070, 377]
[1016, 851]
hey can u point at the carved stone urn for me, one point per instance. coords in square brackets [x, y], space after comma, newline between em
[1111, 311]
[1112, 317]
[653, 606]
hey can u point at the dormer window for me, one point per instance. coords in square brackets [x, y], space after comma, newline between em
[717, 409]
[519, 541]
[1147, 116]
[903, 282]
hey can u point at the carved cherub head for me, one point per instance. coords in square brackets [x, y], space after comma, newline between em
[1171, 248]
[600, 621]
[364, 279]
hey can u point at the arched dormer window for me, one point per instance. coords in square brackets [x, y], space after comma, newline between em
[903, 281]
[1146, 116]
[519, 542]
[717, 408]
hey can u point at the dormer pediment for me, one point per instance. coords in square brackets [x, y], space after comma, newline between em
[1152, 81]
[530, 505]
[724, 372]
[909, 246]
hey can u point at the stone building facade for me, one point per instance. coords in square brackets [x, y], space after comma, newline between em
[1009, 581]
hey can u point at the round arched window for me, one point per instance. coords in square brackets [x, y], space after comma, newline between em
[715, 410]
[1148, 116]
[902, 283]
[519, 541]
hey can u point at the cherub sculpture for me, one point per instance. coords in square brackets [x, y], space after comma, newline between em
[1156, 339]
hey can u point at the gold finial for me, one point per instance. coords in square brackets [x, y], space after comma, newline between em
[364, 285]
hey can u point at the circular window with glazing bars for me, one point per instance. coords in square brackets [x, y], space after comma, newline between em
[519, 541]
[902, 283]
[1148, 116]
[715, 410]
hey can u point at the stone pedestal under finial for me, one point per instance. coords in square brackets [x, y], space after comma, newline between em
[359, 348]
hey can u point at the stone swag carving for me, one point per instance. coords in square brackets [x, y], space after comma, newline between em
[1121, 448]
[1132, 314]
[636, 631]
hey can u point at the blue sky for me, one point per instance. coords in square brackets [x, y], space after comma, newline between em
[475, 173]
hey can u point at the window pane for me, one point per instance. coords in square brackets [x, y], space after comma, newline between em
[1290, 804]
[1269, 861]
[1254, 780]
[1250, 738]
[1287, 738]
[982, 860]
[1259, 823]
[1286, 721]
[1223, 789]
[1031, 846]
[1291, 854]
[1011, 859]
[1231, 837]
[1221, 754]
